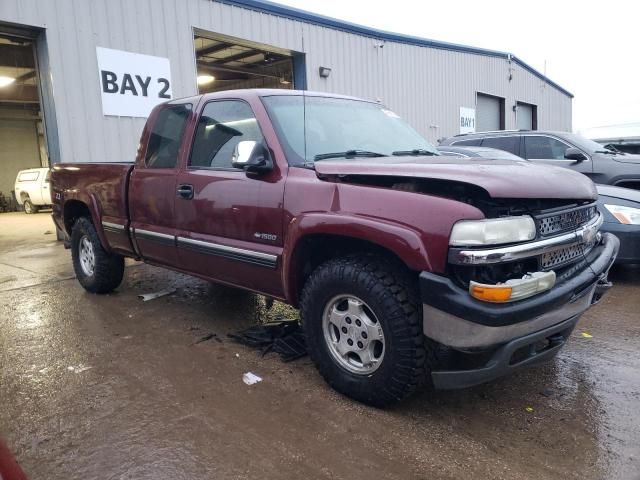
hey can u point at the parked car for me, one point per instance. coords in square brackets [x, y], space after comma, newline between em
[32, 189]
[476, 152]
[563, 149]
[620, 208]
[405, 264]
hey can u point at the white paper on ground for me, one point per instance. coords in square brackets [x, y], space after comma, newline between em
[251, 378]
[150, 296]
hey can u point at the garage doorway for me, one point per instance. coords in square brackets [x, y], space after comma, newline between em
[526, 116]
[22, 133]
[489, 113]
[227, 63]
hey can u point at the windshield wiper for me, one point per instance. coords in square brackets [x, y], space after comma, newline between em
[348, 154]
[415, 152]
[610, 152]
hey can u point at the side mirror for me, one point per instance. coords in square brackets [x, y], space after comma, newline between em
[251, 156]
[572, 153]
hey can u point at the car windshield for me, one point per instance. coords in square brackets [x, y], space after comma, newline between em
[314, 128]
[586, 144]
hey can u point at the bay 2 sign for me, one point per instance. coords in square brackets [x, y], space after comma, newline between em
[131, 83]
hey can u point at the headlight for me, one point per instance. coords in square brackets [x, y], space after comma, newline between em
[493, 231]
[626, 215]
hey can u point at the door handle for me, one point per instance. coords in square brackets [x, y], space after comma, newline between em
[185, 191]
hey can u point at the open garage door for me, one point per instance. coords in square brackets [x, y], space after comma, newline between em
[225, 63]
[22, 139]
[489, 113]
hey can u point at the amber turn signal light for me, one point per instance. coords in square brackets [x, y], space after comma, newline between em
[486, 293]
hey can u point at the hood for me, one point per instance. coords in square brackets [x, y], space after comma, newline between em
[624, 158]
[499, 178]
[619, 192]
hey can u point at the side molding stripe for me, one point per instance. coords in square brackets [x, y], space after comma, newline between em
[240, 254]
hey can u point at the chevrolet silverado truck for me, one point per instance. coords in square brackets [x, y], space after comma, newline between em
[409, 268]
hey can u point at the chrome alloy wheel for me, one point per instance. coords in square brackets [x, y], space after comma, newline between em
[353, 334]
[87, 256]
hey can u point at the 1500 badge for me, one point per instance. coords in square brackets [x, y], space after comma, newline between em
[266, 236]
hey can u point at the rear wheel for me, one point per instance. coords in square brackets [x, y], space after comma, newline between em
[363, 323]
[29, 207]
[97, 270]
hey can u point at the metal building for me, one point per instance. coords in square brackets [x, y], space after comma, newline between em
[64, 64]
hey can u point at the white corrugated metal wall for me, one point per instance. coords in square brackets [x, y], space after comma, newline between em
[425, 85]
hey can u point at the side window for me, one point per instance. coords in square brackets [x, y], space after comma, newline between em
[544, 148]
[221, 126]
[507, 143]
[166, 136]
[474, 142]
[28, 176]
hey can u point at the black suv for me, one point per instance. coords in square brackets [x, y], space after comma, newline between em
[562, 149]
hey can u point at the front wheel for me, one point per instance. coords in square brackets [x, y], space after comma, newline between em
[97, 270]
[29, 207]
[363, 326]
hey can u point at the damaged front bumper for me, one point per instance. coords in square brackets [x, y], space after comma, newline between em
[510, 335]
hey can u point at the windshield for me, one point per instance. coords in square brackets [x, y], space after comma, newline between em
[585, 144]
[316, 128]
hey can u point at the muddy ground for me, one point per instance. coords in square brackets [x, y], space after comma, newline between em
[110, 387]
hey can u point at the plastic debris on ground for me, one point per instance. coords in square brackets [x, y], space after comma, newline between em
[152, 296]
[529, 409]
[586, 335]
[283, 337]
[208, 337]
[251, 378]
[78, 369]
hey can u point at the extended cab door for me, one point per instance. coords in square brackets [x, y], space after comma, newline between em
[152, 187]
[229, 221]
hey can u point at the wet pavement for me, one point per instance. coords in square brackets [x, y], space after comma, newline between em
[110, 387]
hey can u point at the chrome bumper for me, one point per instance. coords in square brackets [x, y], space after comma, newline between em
[460, 333]
[584, 235]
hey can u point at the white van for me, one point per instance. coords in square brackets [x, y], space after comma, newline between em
[32, 189]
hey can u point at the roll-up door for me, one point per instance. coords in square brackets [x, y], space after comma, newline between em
[489, 113]
[524, 116]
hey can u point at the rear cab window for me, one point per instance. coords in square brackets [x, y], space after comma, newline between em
[31, 176]
[166, 136]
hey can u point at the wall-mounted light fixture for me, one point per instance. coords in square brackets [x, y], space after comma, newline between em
[205, 79]
[324, 72]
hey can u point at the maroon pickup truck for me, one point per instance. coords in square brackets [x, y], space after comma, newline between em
[408, 267]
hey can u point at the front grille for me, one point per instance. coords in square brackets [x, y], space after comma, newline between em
[556, 223]
[563, 256]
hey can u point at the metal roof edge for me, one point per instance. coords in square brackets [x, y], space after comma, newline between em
[317, 19]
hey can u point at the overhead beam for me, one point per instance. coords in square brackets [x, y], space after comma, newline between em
[212, 49]
[236, 57]
[19, 94]
[16, 56]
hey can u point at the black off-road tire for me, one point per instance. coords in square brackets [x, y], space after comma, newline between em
[29, 207]
[390, 291]
[108, 268]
